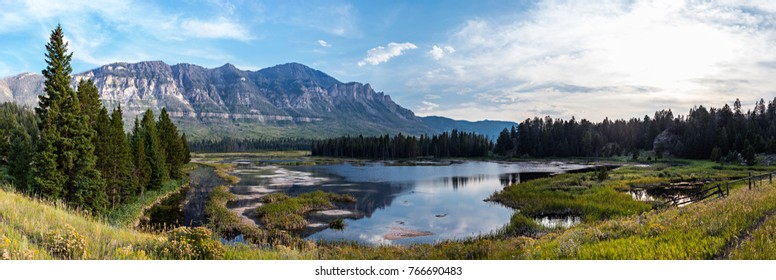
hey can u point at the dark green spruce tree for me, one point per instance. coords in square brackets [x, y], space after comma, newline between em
[186, 150]
[154, 151]
[48, 179]
[141, 167]
[118, 170]
[89, 97]
[64, 166]
[170, 144]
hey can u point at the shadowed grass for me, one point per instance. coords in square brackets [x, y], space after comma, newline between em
[129, 214]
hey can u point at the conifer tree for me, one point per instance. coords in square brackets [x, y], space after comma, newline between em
[89, 97]
[118, 169]
[20, 152]
[101, 142]
[64, 166]
[48, 179]
[186, 150]
[170, 144]
[141, 167]
[57, 74]
[154, 151]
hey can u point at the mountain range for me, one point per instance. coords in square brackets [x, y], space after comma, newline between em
[288, 100]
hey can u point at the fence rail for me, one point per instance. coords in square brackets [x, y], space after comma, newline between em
[717, 190]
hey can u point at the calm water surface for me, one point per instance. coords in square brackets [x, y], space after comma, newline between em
[443, 201]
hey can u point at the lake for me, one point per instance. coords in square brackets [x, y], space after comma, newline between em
[396, 204]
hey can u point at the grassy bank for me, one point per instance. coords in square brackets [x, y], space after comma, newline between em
[39, 230]
[129, 214]
[287, 213]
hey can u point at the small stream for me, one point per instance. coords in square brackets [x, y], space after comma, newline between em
[186, 208]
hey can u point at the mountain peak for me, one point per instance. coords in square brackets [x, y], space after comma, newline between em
[228, 66]
[298, 71]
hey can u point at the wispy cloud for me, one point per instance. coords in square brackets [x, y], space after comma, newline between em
[383, 54]
[221, 28]
[101, 32]
[605, 55]
[438, 53]
[339, 20]
[324, 44]
[426, 106]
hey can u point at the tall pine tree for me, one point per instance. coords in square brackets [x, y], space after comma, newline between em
[118, 167]
[64, 166]
[171, 144]
[156, 156]
[141, 167]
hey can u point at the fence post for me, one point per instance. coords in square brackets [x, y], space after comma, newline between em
[720, 193]
[750, 180]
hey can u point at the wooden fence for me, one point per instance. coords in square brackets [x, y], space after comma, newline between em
[718, 190]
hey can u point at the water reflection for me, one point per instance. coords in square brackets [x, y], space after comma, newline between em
[398, 204]
[558, 221]
[201, 181]
[680, 196]
[515, 178]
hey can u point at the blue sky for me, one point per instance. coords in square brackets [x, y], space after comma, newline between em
[473, 60]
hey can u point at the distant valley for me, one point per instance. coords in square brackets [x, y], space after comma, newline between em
[289, 100]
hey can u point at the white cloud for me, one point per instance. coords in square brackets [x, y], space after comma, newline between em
[426, 106]
[324, 44]
[431, 96]
[221, 28]
[439, 52]
[101, 32]
[383, 54]
[629, 57]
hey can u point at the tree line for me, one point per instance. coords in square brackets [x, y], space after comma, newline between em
[719, 134]
[71, 149]
[228, 144]
[447, 144]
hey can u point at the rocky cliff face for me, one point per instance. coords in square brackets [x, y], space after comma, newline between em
[21, 89]
[217, 102]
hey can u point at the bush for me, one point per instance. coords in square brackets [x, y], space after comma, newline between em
[602, 174]
[337, 224]
[66, 243]
[192, 244]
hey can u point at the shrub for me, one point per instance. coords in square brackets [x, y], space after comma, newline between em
[192, 244]
[66, 243]
[337, 224]
[602, 174]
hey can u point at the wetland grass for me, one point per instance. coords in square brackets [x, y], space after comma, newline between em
[287, 213]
